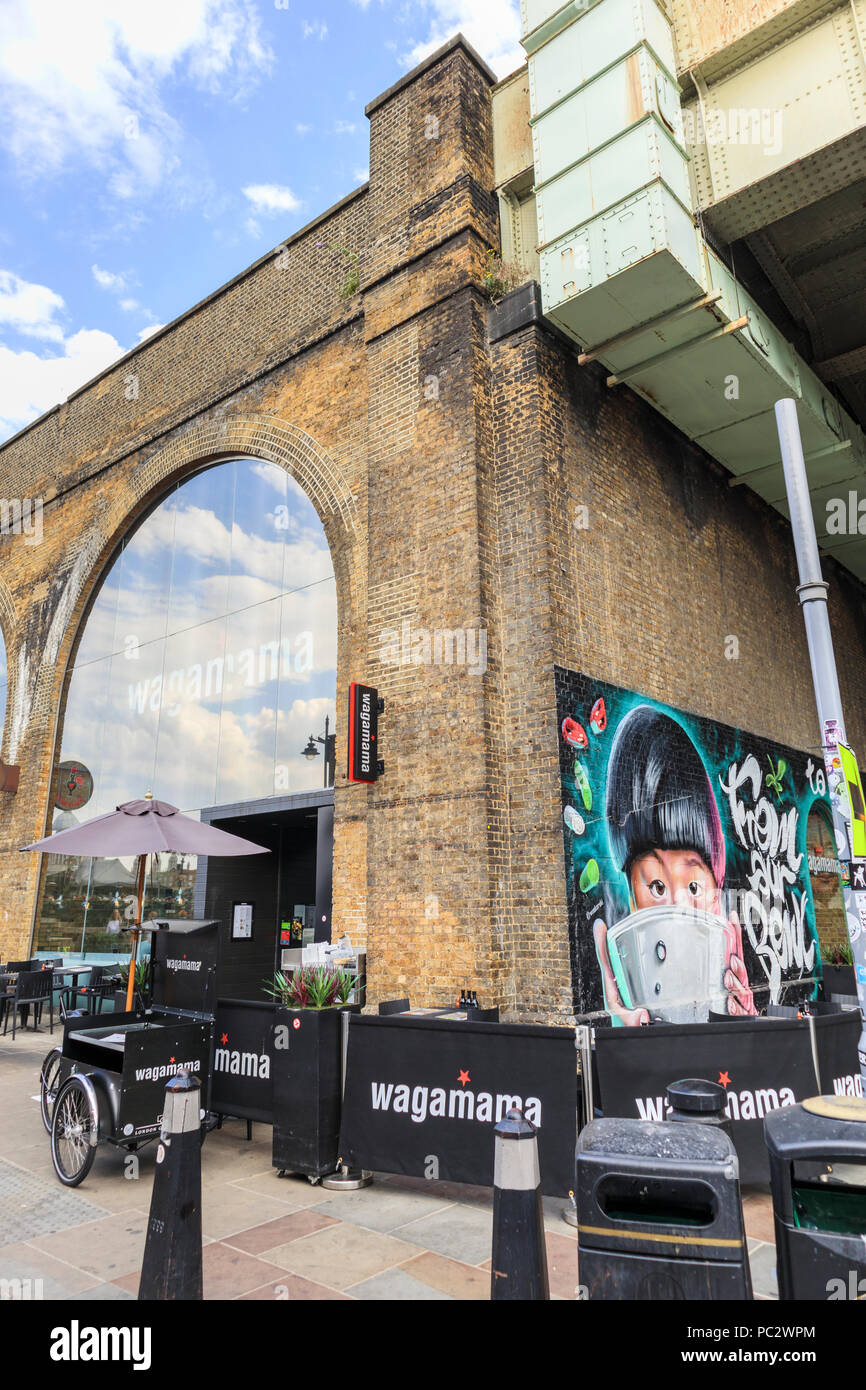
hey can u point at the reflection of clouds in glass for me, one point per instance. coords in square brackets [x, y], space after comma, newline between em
[221, 612]
[264, 571]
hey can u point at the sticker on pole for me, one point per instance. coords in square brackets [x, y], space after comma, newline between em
[856, 803]
[160, 1153]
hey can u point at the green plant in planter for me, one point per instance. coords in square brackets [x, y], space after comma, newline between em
[312, 987]
[142, 975]
[841, 955]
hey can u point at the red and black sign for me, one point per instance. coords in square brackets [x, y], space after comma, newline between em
[73, 786]
[423, 1096]
[763, 1064]
[363, 733]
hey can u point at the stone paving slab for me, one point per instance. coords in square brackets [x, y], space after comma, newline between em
[397, 1285]
[36, 1206]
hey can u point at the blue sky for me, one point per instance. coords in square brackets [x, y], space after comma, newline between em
[149, 151]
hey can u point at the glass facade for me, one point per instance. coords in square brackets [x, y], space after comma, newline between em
[208, 659]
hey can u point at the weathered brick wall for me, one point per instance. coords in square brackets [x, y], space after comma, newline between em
[671, 564]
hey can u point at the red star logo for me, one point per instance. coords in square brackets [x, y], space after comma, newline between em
[463, 1077]
[171, 1059]
[724, 1079]
[224, 1039]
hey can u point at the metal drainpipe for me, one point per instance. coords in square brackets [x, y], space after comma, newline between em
[812, 593]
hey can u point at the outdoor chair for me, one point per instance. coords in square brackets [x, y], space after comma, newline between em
[91, 997]
[14, 967]
[33, 990]
[393, 1006]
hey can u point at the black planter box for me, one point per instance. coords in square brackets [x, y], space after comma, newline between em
[838, 979]
[307, 1090]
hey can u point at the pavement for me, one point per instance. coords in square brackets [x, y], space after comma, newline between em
[264, 1237]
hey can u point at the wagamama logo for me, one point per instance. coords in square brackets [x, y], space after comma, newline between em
[421, 1101]
[169, 1069]
[183, 964]
[238, 1063]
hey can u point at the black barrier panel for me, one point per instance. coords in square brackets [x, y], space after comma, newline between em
[762, 1064]
[243, 1063]
[184, 965]
[423, 1097]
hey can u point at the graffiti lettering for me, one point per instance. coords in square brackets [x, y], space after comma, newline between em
[774, 912]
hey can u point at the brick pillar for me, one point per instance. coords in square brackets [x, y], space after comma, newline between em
[432, 217]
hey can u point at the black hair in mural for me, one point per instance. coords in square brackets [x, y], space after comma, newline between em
[658, 793]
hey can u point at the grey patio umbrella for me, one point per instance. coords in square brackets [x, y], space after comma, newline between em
[142, 828]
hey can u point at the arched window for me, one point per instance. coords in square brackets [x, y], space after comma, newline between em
[206, 662]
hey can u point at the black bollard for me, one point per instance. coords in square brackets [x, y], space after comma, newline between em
[699, 1102]
[171, 1270]
[519, 1267]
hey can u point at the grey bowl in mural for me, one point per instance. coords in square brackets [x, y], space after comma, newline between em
[671, 961]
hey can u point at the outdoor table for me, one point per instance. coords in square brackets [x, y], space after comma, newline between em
[73, 970]
[448, 1014]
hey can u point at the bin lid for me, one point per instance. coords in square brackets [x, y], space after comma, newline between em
[641, 1139]
[794, 1132]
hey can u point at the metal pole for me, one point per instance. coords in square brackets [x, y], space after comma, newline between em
[812, 593]
[583, 1043]
[346, 1179]
[136, 931]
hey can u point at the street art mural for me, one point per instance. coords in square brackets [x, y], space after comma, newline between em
[686, 860]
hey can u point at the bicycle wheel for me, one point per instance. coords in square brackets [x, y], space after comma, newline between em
[74, 1129]
[48, 1078]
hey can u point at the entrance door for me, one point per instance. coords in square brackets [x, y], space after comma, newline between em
[261, 900]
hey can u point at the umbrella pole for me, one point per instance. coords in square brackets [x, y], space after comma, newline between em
[136, 930]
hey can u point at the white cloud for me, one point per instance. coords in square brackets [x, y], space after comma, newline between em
[362, 175]
[344, 127]
[270, 198]
[491, 26]
[30, 385]
[301, 129]
[108, 280]
[129, 304]
[315, 31]
[146, 332]
[88, 79]
[29, 308]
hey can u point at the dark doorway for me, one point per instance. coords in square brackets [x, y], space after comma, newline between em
[293, 879]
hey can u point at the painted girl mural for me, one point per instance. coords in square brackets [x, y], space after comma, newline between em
[666, 838]
[670, 821]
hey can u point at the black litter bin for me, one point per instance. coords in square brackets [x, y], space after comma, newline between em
[818, 1177]
[659, 1214]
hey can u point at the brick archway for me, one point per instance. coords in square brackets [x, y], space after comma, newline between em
[39, 692]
